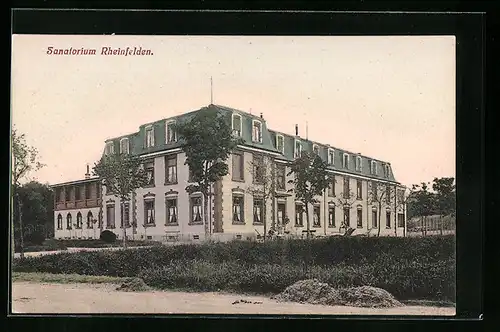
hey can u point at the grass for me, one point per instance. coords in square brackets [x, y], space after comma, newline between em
[66, 278]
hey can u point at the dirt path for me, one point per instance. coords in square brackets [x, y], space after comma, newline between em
[87, 298]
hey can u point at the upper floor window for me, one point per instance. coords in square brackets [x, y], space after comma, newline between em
[388, 194]
[258, 168]
[171, 169]
[359, 164]
[331, 186]
[150, 136]
[346, 161]
[257, 131]
[237, 125]
[171, 133]
[387, 170]
[297, 149]
[331, 157]
[124, 146]
[400, 195]
[238, 166]
[87, 191]
[347, 190]
[373, 167]
[149, 167]
[316, 149]
[359, 189]
[281, 177]
[110, 148]
[280, 143]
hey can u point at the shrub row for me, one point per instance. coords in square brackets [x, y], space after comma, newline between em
[97, 243]
[47, 245]
[408, 280]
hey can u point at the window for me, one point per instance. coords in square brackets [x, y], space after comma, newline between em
[110, 148]
[67, 192]
[331, 157]
[59, 221]
[69, 224]
[374, 218]
[299, 215]
[373, 167]
[171, 133]
[238, 209]
[149, 167]
[238, 171]
[124, 146]
[125, 215]
[171, 207]
[256, 131]
[196, 213]
[359, 189]
[280, 143]
[258, 168]
[149, 211]
[90, 220]
[401, 220]
[316, 216]
[281, 177]
[359, 220]
[78, 193]
[387, 170]
[171, 169]
[297, 149]
[110, 216]
[388, 219]
[346, 193]
[388, 194]
[258, 211]
[359, 164]
[150, 137]
[79, 221]
[331, 216]
[331, 187]
[347, 219]
[87, 191]
[346, 161]
[316, 149]
[401, 195]
[98, 189]
[190, 175]
[237, 125]
[375, 190]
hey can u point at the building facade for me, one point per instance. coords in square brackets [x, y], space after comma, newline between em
[364, 194]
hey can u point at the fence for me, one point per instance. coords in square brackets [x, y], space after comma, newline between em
[431, 225]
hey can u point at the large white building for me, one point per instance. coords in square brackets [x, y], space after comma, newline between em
[163, 210]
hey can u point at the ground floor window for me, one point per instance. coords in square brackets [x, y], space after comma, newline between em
[90, 220]
[125, 215]
[316, 216]
[69, 223]
[59, 221]
[171, 208]
[110, 216]
[149, 212]
[388, 219]
[331, 216]
[299, 215]
[347, 218]
[359, 223]
[196, 211]
[401, 220]
[79, 221]
[238, 208]
[258, 211]
[374, 218]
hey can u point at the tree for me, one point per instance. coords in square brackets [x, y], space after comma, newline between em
[207, 142]
[380, 194]
[422, 203]
[25, 159]
[346, 201]
[263, 170]
[122, 174]
[403, 200]
[310, 180]
[445, 198]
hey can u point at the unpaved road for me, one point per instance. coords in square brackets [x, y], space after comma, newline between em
[103, 298]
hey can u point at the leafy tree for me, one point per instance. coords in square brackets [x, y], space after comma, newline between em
[25, 159]
[423, 203]
[381, 194]
[403, 201]
[122, 174]
[263, 170]
[310, 180]
[444, 197]
[207, 142]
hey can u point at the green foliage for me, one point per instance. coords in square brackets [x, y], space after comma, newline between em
[108, 236]
[25, 157]
[445, 195]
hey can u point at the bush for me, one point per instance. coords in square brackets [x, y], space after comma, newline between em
[35, 238]
[108, 236]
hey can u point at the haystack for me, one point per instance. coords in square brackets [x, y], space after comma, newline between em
[367, 296]
[134, 285]
[308, 291]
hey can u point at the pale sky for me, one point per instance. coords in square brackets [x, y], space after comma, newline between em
[390, 98]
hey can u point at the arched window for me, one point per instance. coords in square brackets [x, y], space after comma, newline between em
[69, 224]
[59, 221]
[79, 221]
[90, 221]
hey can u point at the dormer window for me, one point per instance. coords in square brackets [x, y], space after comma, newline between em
[280, 143]
[316, 149]
[256, 131]
[373, 167]
[331, 157]
[387, 170]
[171, 132]
[110, 148]
[359, 164]
[150, 136]
[297, 149]
[346, 161]
[236, 125]
[124, 146]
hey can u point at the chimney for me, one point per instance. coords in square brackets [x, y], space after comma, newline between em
[261, 115]
[296, 130]
[87, 175]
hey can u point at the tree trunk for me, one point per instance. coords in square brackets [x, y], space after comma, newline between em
[205, 215]
[124, 232]
[264, 216]
[441, 224]
[21, 235]
[307, 221]
[379, 218]
[12, 225]
[422, 225]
